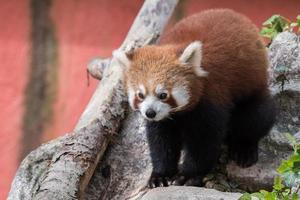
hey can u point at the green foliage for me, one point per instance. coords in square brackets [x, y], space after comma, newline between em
[277, 24]
[287, 184]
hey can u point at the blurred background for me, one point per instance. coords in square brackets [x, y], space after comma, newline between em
[44, 48]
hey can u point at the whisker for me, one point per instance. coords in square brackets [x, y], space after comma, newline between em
[170, 118]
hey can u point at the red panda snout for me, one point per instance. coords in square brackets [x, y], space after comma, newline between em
[154, 109]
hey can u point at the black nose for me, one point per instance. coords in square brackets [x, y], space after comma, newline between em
[150, 113]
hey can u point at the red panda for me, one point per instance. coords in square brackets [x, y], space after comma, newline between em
[203, 84]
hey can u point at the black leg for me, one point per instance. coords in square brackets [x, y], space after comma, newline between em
[165, 146]
[251, 120]
[203, 136]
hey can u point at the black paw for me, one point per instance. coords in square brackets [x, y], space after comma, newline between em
[187, 180]
[244, 157]
[158, 180]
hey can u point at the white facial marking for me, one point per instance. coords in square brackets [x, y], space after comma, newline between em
[159, 89]
[181, 95]
[162, 109]
[192, 54]
[142, 89]
[131, 97]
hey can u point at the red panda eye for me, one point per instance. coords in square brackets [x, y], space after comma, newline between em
[140, 95]
[162, 95]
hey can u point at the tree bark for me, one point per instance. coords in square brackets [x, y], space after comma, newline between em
[62, 168]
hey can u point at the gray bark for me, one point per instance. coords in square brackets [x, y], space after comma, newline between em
[61, 169]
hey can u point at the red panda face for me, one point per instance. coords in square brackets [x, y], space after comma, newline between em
[159, 100]
[160, 82]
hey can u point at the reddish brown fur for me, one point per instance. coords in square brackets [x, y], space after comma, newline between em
[233, 54]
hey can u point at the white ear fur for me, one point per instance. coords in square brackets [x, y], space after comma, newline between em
[192, 54]
[121, 57]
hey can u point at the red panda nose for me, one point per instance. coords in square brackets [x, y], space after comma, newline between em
[150, 113]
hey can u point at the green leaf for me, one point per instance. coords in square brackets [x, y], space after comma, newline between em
[286, 197]
[275, 25]
[245, 196]
[278, 22]
[258, 195]
[298, 20]
[284, 167]
[291, 138]
[294, 158]
[264, 192]
[295, 196]
[286, 192]
[278, 183]
[268, 32]
[269, 22]
[271, 196]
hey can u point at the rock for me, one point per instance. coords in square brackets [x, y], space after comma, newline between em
[188, 193]
[285, 57]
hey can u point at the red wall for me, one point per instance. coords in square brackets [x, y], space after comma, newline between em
[257, 10]
[14, 47]
[84, 29]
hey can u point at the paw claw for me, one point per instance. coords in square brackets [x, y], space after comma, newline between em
[179, 180]
[188, 180]
[158, 181]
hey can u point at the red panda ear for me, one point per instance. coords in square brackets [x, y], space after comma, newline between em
[129, 54]
[192, 54]
[123, 58]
